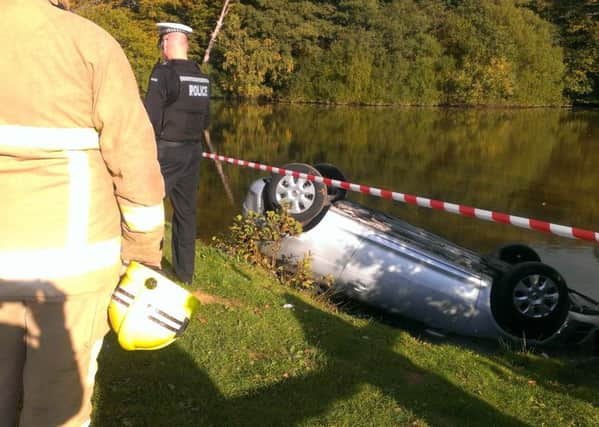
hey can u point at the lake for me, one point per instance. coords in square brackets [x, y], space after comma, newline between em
[535, 163]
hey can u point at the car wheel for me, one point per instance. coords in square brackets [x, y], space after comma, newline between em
[331, 171]
[515, 253]
[304, 198]
[530, 301]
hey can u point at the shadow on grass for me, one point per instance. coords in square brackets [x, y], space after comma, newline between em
[579, 378]
[239, 271]
[144, 389]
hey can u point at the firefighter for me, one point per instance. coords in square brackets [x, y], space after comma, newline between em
[177, 101]
[81, 194]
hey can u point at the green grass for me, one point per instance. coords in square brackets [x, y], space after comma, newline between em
[254, 362]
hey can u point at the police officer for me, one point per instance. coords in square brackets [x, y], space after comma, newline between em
[177, 102]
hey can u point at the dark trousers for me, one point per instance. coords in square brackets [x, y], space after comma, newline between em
[180, 166]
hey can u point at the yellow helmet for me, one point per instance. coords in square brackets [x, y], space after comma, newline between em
[149, 311]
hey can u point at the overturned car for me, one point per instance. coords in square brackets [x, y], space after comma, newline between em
[399, 268]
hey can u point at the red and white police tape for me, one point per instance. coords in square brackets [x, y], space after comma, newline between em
[518, 221]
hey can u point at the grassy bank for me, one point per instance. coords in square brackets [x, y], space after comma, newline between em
[261, 354]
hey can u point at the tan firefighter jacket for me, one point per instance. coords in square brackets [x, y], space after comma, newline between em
[80, 185]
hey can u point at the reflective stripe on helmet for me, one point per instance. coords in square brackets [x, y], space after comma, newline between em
[52, 139]
[124, 298]
[169, 317]
[167, 321]
[164, 324]
[121, 301]
[126, 294]
[143, 218]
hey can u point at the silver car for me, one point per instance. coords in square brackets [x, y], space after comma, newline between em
[394, 266]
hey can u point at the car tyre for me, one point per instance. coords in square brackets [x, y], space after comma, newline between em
[332, 172]
[530, 301]
[305, 198]
[515, 253]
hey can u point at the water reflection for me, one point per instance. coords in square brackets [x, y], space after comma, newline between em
[537, 163]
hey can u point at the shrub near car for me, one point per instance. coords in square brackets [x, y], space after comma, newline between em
[402, 269]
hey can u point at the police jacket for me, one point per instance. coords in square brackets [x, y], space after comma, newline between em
[80, 181]
[177, 101]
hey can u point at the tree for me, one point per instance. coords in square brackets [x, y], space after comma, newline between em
[578, 24]
[425, 52]
[500, 54]
[248, 63]
[135, 37]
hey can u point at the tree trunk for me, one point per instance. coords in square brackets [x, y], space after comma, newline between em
[219, 24]
[219, 169]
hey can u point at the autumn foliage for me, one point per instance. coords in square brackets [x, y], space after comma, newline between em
[404, 52]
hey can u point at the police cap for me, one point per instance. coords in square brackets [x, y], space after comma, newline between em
[172, 27]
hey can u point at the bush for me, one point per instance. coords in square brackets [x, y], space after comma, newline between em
[257, 239]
